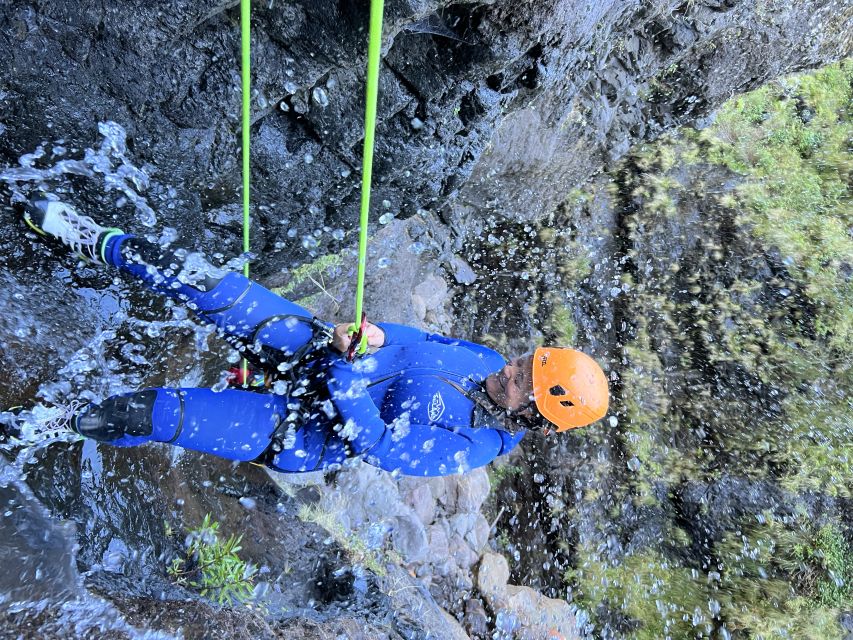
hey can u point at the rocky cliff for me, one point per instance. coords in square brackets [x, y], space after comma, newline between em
[491, 114]
[501, 101]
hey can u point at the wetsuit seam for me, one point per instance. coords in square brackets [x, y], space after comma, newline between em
[228, 306]
[373, 383]
[322, 453]
[180, 419]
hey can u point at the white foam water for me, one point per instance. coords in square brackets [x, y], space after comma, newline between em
[109, 162]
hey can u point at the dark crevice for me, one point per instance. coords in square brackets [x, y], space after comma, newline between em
[411, 88]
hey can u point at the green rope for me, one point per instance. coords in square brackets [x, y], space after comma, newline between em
[373, 51]
[245, 46]
[245, 42]
[373, 57]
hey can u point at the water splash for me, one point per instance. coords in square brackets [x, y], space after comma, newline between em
[109, 161]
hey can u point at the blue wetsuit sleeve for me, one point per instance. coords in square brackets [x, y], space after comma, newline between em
[426, 450]
[397, 334]
[312, 447]
[361, 425]
[404, 334]
[509, 441]
[401, 334]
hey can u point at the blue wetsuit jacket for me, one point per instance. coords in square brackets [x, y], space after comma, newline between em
[414, 416]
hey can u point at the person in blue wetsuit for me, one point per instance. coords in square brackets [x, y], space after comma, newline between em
[419, 403]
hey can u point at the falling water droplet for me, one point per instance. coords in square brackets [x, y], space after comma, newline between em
[320, 97]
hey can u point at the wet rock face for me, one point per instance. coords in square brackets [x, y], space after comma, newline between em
[36, 552]
[411, 273]
[607, 74]
[516, 96]
[29, 329]
[711, 337]
[504, 105]
[119, 501]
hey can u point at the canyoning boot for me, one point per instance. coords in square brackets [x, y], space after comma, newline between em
[59, 221]
[116, 417]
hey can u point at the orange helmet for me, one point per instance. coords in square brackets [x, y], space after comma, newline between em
[569, 387]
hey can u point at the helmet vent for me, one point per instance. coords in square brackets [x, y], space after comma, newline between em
[567, 403]
[557, 390]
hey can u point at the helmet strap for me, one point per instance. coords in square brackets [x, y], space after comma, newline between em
[520, 412]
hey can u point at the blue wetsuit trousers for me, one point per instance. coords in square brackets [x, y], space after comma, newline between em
[232, 423]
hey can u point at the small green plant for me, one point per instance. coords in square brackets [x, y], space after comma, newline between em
[500, 472]
[314, 273]
[503, 541]
[213, 566]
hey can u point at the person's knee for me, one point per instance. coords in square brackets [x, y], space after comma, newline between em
[118, 416]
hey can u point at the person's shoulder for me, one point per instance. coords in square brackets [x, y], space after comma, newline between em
[491, 358]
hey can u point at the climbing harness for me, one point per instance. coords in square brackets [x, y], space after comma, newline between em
[239, 377]
[321, 336]
[276, 365]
